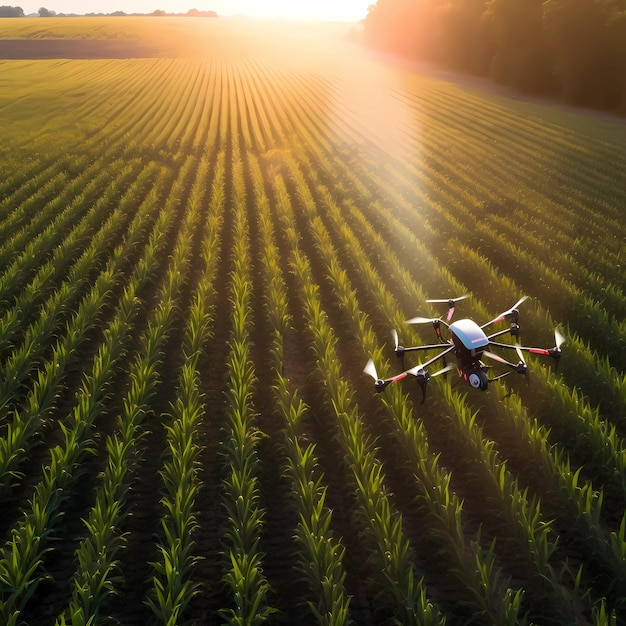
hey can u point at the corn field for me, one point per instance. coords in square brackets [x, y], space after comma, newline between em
[201, 249]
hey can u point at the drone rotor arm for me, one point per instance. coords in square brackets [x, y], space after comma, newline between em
[506, 331]
[395, 379]
[436, 346]
[439, 356]
[493, 321]
[520, 368]
[415, 370]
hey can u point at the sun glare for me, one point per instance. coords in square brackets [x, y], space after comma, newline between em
[331, 10]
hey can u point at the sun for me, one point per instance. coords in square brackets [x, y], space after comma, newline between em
[327, 10]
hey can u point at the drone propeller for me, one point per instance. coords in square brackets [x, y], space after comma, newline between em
[399, 350]
[522, 363]
[450, 302]
[370, 369]
[381, 383]
[451, 299]
[558, 338]
[511, 313]
[423, 320]
[555, 352]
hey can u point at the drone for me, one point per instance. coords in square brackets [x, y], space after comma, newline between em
[468, 343]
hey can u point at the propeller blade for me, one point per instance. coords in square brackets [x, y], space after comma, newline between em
[560, 340]
[450, 313]
[370, 369]
[522, 368]
[495, 357]
[394, 334]
[422, 320]
[493, 380]
[503, 315]
[522, 299]
[451, 299]
[415, 370]
[399, 350]
[448, 368]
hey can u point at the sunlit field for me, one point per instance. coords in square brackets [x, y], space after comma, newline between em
[208, 227]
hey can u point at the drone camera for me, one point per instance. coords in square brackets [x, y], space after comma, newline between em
[478, 380]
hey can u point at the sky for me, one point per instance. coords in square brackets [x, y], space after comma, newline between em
[334, 10]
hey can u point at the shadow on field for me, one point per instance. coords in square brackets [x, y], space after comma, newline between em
[77, 49]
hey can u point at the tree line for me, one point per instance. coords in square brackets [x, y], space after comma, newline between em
[11, 11]
[574, 49]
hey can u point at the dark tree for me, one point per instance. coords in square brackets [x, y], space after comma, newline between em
[462, 40]
[7, 11]
[522, 56]
[579, 38]
[574, 48]
[616, 34]
[43, 12]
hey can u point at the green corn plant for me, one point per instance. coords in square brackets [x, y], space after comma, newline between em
[244, 578]
[366, 337]
[321, 556]
[385, 527]
[65, 458]
[173, 587]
